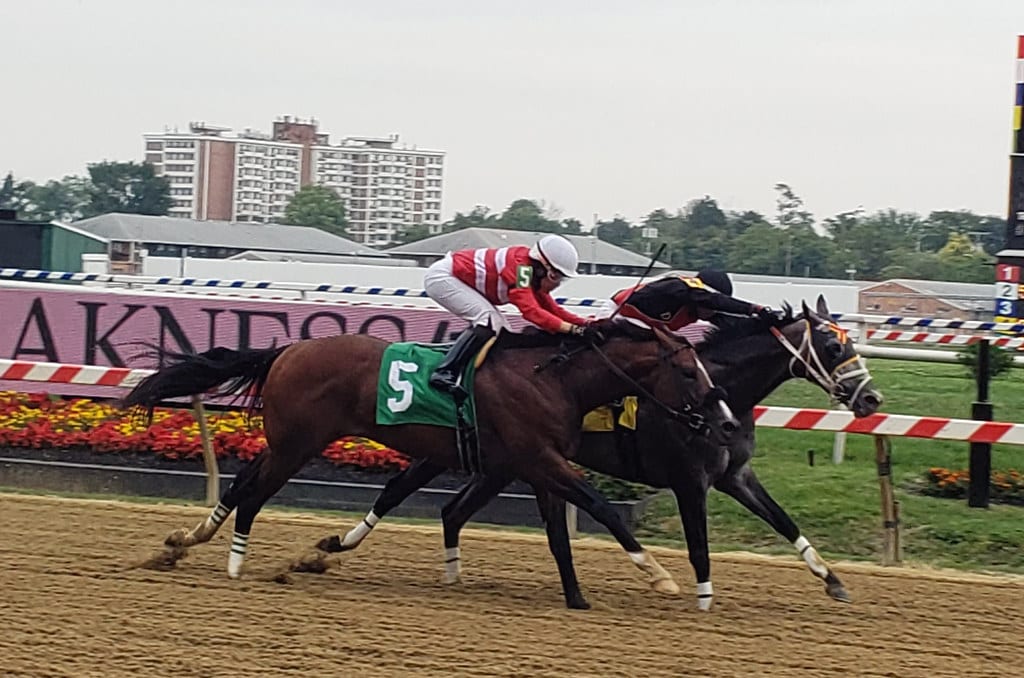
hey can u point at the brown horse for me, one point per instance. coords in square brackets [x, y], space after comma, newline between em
[750, 359]
[318, 390]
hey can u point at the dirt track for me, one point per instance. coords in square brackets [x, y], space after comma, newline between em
[71, 604]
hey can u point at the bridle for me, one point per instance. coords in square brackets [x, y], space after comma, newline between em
[687, 415]
[832, 381]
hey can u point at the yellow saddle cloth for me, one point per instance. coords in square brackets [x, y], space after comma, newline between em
[603, 419]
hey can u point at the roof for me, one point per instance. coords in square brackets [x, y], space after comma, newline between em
[592, 250]
[236, 235]
[305, 257]
[55, 224]
[961, 295]
[78, 231]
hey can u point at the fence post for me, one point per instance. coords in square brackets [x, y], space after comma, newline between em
[981, 453]
[890, 520]
[572, 520]
[839, 441]
[209, 459]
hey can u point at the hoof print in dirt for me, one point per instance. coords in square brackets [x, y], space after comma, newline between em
[314, 562]
[164, 561]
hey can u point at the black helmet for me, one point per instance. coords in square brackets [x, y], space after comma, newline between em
[719, 280]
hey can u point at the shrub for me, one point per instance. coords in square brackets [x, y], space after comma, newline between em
[1005, 487]
[999, 360]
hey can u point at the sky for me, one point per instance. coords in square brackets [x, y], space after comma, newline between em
[591, 106]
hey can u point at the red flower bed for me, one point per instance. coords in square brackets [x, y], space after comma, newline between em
[1006, 487]
[39, 421]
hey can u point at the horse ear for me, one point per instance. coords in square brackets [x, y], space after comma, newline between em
[806, 309]
[823, 307]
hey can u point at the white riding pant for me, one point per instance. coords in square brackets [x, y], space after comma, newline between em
[459, 298]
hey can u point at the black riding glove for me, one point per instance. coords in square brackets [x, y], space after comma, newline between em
[767, 313]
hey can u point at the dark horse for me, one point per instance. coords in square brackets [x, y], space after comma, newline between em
[318, 390]
[747, 358]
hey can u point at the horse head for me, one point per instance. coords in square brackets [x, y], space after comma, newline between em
[680, 386]
[723, 423]
[827, 356]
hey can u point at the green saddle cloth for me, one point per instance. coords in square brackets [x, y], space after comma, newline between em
[405, 397]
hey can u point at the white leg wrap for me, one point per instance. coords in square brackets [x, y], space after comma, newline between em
[811, 557]
[704, 595]
[239, 545]
[218, 516]
[358, 533]
[452, 565]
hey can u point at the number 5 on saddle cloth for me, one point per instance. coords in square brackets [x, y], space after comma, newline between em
[405, 397]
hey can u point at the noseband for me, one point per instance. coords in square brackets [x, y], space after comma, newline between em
[831, 381]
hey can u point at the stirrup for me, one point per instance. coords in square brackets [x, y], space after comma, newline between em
[444, 381]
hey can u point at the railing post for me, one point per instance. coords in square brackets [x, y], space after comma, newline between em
[572, 520]
[209, 458]
[981, 453]
[890, 518]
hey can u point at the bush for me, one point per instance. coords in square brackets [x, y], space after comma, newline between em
[1005, 487]
[999, 360]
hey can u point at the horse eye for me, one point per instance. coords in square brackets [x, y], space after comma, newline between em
[834, 348]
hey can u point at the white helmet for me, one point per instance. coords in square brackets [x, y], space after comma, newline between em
[558, 252]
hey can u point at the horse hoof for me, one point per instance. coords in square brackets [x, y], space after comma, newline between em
[838, 592]
[177, 538]
[704, 604]
[451, 579]
[666, 586]
[577, 603]
[331, 544]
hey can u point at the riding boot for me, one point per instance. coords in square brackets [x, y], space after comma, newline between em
[446, 377]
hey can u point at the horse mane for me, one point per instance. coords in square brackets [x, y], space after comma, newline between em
[728, 329]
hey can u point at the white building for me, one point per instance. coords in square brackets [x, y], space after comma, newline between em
[250, 176]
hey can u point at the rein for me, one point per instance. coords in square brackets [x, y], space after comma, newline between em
[830, 381]
[694, 420]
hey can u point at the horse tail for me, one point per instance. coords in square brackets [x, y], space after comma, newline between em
[221, 370]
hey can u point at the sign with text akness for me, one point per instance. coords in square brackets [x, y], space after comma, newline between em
[75, 325]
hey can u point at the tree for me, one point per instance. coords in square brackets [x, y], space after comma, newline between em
[962, 261]
[317, 206]
[793, 218]
[478, 217]
[704, 214]
[127, 187]
[527, 215]
[14, 195]
[413, 233]
[738, 223]
[64, 200]
[618, 231]
[791, 212]
[760, 249]
[572, 226]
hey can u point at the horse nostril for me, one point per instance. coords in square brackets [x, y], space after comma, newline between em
[730, 426]
[873, 399]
